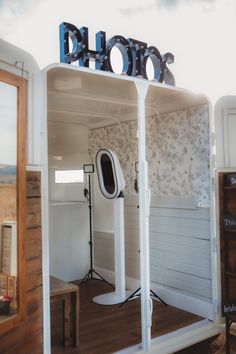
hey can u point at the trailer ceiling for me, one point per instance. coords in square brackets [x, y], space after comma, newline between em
[96, 99]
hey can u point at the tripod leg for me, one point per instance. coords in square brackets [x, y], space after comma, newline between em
[101, 278]
[86, 277]
[130, 297]
[89, 275]
[158, 297]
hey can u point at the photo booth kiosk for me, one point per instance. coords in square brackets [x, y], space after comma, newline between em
[180, 143]
[112, 183]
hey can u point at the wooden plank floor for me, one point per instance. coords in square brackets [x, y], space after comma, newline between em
[106, 329]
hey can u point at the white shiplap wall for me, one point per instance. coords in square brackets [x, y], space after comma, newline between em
[180, 258]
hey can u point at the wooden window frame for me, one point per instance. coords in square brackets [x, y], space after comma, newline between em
[21, 85]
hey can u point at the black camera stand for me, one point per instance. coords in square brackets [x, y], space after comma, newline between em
[136, 294]
[92, 271]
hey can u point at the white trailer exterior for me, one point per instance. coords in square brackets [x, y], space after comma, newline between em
[99, 100]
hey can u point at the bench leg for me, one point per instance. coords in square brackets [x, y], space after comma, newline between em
[66, 320]
[75, 318]
[227, 330]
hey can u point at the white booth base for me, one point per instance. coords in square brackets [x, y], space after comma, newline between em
[110, 298]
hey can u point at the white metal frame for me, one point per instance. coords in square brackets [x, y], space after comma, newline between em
[215, 246]
[38, 160]
[144, 207]
[45, 223]
[148, 345]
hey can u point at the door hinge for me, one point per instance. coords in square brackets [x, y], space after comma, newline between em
[213, 184]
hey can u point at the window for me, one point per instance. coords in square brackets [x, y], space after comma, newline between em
[69, 176]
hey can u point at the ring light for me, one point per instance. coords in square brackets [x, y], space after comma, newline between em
[110, 175]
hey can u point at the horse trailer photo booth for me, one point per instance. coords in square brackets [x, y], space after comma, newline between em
[169, 145]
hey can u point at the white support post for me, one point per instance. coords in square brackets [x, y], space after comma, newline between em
[119, 247]
[106, 160]
[45, 221]
[144, 204]
[120, 294]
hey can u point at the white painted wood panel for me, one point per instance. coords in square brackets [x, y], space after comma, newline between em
[182, 282]
[173, 259]
[201, 213]
[181, 230]
[104, 250]
[180, 255]
[229, 126]
[180, 245]
[69, 237]
[190, 227]
[225, 128]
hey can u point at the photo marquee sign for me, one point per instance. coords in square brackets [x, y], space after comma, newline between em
[74, 46]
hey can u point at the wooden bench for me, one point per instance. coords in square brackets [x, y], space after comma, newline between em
[68, 294]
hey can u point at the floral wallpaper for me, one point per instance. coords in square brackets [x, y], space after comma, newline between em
[177, 148]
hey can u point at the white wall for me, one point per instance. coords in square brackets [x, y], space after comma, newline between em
[69, 235]
[102, 210]
[68, 211]
[67, 191]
